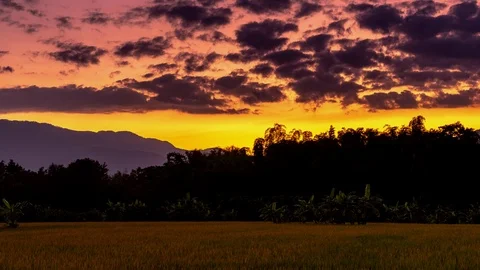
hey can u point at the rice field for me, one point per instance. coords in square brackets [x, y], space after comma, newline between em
[239, 246]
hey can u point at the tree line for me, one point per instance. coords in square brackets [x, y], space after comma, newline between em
[429, 168]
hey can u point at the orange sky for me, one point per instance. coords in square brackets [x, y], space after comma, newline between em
[28, 55]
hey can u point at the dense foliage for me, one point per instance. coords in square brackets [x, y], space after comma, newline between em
[275, 180]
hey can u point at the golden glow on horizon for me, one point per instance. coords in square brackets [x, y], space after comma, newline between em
[204, 131]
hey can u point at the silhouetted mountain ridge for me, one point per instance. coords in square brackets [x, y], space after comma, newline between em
[36, 145]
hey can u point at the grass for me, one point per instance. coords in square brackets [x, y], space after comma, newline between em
[239, 245]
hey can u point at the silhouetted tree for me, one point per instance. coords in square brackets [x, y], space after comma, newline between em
[437, 166]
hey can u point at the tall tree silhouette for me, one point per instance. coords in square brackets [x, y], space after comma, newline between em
[433, 165]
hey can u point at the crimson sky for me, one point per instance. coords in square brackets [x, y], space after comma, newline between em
[202, 73]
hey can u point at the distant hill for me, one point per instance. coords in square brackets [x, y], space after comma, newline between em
[34, 145]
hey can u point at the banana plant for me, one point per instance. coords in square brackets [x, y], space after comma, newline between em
[115, 211]
[339, 208]
[273, 213]
[367, 206]
[395, 213]
[406, 212]
[188, 208]
[444, 215]
[136, 211]
[473, 214]
[307, 210]
[349, 208]
[11, 213]
[415, 213]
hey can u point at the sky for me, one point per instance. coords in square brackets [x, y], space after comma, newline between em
[207, 73]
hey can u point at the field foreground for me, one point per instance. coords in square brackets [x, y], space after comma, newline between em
[239, 245]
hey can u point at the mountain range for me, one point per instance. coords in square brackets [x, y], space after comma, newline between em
[35, 145]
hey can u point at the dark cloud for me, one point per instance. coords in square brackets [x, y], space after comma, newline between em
[187, 13]
[122, 63]
[454, 48]
[263, 93]
[464, 10]
[391, 101]
[326, 61]
[264, 36]
[6, 69]
[171, 93]
[228, 84]
[208, 3]
[31, 28]
[148, 75]
[318, 30]
[422, 7]
[143, 47]
[432, 80]
[464, 98]
[27, 28]
[11, 5]
[321, 86]
[14, 5]
[64, 22]
[285, 57]
[183, 34]
[36, 13]
[379, 18]
[97, 17]
[461, 23]
[71, 99]
[316, 43]
[296, 71]
[186, 94]
[264, 6]
[424, 27]
[409, 100]
[67, 72]
[135, 16]
[362, 54]
[362, 7]
[263, 69]
[197, 62]
[376, 79]
[77, 53]
[251, 93]
[31, 2]
[199, 16]
[159, 9]
[215, 37]
[307, 9]
[163, 67]
[338, 26]
[3, 53]
[244, 56]
[115, 73]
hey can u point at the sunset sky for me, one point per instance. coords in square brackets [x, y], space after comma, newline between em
[206, 73]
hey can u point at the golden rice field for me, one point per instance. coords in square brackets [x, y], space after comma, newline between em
[239, 246]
